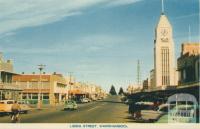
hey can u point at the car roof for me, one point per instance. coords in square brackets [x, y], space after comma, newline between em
[145, 103]
[163, 105]
[6, 100]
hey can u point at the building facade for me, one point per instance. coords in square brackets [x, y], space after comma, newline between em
[164, 66]
[52, 87]
[133, 89]
[80, 90]
[145, 85]
[189, 63]
[152, 80]
[8, 90]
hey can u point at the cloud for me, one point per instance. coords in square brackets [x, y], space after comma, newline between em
[121, 2]
[186, 16]
[87, 44]
[16, 14]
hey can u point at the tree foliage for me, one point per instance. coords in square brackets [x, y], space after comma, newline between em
[112, 90]
[121, 91]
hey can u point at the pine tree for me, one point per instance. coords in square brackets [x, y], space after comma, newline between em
[121, 91]
[113, 91]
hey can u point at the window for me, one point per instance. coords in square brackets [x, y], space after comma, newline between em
[164, 109]
[165, 65]
[24, 96]
[45, 96]
[34, 96]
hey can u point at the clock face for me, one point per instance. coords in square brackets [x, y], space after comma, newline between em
[164, 32]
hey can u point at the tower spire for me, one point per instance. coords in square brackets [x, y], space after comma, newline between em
[163, 9]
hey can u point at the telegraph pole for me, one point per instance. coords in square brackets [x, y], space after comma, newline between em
[70, 84]
[39, 104]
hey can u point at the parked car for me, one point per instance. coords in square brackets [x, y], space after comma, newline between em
[84, 100]
[154, 114]
[5, 106]
[70, 104]
[89, 100]
[94, 99]
[24, 106]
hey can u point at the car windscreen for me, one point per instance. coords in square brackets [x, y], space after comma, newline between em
[69, 102]
[9, 102]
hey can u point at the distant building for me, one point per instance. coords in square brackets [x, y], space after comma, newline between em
[53, 87]
[164, 60]
[188, 63]
[77, 90]
[133, 89]
[8, 90]
[85, 90]
[145, 85]
[152, 80]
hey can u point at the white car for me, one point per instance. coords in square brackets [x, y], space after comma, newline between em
[84, 100]
[89, 100]
[154, 115]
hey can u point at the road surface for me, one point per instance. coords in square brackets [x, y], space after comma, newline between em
[109, 110]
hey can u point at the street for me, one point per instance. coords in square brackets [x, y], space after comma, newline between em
[109, 110]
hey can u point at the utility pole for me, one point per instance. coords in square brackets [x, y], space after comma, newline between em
[70, 84]
[39, 104]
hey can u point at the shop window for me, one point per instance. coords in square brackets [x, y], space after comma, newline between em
[45, 96]
[34, 96]
[24, 96]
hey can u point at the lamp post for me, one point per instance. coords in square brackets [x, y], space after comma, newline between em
[39, 104]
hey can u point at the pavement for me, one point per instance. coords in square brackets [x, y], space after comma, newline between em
[109, 110]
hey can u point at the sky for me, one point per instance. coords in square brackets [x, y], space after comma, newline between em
[99, 41]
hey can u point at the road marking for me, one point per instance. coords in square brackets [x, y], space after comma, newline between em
[93, 108]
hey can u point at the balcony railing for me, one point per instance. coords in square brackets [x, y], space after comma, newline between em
[9, 86]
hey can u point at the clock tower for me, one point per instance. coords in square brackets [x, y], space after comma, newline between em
[164, 61]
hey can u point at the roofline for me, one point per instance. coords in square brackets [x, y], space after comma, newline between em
[9, 72]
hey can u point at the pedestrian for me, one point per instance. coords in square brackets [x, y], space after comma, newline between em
[132, 108]
[15, 109]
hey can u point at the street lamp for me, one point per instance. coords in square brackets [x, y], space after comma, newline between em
[39, 104]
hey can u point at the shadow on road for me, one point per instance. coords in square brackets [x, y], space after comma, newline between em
[130, 119]
[109, 101]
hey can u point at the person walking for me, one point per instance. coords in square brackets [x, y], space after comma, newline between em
[15, 112]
